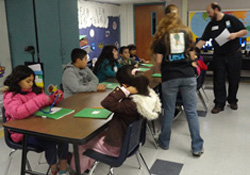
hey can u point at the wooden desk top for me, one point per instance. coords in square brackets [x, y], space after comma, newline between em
[70, 128]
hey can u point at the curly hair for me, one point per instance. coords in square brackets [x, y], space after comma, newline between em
[18, 74]
[171, 23]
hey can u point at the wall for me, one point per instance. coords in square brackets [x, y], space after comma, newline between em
[194, 5]
[127, 20]
[4, 45]
[4, 50]
[127, 24]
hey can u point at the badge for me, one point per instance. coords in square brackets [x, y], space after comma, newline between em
[228, 23]
[215, 28]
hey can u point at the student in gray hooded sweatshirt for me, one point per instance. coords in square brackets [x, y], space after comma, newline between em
[77, 77]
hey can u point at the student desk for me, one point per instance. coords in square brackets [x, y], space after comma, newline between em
[68, 129]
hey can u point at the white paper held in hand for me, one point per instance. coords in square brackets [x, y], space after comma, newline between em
[223, 37]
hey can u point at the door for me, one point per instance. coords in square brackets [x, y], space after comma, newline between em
[147, 16]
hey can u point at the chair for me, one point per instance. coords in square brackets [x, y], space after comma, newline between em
[15, 146]
[200, 82]
[135, 137]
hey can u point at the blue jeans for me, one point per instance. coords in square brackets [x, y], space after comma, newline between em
[170, 89]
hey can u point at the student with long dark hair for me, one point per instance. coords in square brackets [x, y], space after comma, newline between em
[21, 99]
[173, 47]
[132, 100]
[107, 64]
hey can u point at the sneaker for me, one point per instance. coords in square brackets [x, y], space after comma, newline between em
[234, 106]
[216, 110]
[198, 154]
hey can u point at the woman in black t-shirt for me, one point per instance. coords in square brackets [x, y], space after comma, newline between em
[172, 47]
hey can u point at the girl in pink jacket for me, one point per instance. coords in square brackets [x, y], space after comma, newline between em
[21, 99]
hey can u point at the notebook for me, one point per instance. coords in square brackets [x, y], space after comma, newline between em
[147, 65]
[156, 75]
[93, 113]
[56, 113]
[142, 69]
[110, 85]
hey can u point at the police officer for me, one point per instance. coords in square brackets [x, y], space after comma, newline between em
[227, 54]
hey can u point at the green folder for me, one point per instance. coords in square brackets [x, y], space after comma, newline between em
[147, 65]
[142, 69]
[60, 112]
[156, 75]
[93, 113]
[110, 85]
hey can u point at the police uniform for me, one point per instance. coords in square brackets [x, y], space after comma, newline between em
[227, 58]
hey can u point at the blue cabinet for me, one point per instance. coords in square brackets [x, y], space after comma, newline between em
[57, 33]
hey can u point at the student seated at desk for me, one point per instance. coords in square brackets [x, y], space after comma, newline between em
[77, 77]
[132, 52]
[129, 102]
[125, 57]
[21, 99]
[107, 64]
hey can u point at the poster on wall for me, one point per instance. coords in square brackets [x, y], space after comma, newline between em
[198, 21]
[99, 25]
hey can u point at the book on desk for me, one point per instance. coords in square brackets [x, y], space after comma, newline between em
[56, 112]
[100, 113]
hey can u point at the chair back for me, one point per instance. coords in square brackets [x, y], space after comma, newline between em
[7, 137]
[143, 132]
[201, 79]
[129, 147]
[132, 139]
[8, 140]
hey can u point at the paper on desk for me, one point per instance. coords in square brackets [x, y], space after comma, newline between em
[223, 37]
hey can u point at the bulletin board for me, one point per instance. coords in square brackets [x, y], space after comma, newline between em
[99, 25]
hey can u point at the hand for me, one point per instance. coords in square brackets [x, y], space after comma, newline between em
[59, 93]
[101, 87]
[132, 90]
[232, 36]
[53, 96]
[194, 64]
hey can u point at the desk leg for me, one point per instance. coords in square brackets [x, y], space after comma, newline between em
[24, 154]
[77, 160]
